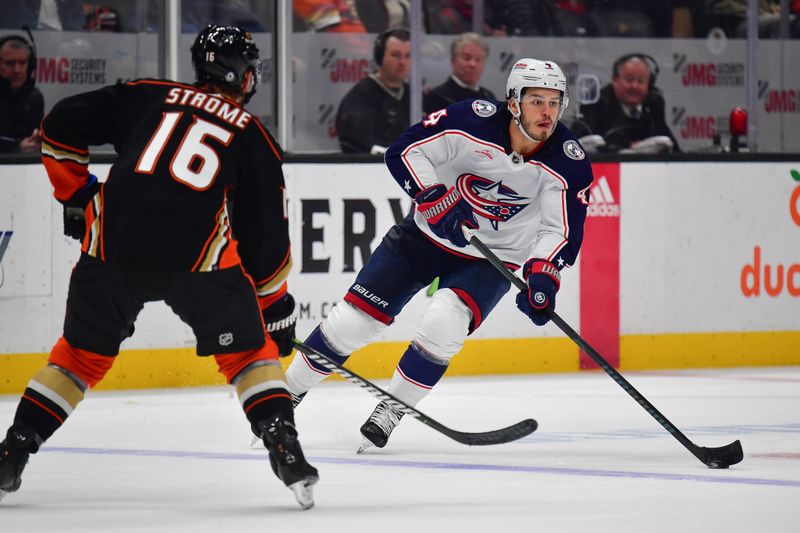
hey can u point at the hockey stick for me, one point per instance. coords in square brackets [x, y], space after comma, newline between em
[498, 436]
[721, 457]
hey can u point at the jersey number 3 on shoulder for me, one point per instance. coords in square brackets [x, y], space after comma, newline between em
[192, 152]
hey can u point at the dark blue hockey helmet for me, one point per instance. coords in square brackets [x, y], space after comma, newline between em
[222, 55]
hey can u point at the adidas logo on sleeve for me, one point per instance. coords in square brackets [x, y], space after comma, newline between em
[601, 200]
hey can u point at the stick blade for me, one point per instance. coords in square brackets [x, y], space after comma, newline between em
[498, 436]
[724, 456]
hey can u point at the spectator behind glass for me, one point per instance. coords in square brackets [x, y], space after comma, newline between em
[21, 104]
[105, 19]
[335, 16]
[629, 116]
[380, 15]
[448, 16]
[732, 17]
[376, 110]
[522, 17]
[468, 58]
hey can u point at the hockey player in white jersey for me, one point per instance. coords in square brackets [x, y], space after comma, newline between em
[509, 170]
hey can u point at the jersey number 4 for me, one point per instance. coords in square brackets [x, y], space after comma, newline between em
[434, 117]
[195, 163]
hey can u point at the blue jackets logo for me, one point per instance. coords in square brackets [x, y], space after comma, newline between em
[491, 200]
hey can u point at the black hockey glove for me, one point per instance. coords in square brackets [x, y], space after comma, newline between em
[279, 320]
[543, 279]
[75, 209]
[446, 210]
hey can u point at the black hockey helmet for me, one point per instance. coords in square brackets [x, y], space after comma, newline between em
[222, 54]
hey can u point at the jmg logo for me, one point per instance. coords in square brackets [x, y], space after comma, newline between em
[782, 101]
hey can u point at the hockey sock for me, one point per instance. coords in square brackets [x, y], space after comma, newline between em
[416, 374]
[304, 373]
[49, 399]
[262, 392]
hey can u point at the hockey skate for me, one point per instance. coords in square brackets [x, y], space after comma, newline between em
[296, 399]
[379, 426]
[287, 459]
[14, 452]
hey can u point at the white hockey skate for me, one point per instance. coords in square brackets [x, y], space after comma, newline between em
[379, 426]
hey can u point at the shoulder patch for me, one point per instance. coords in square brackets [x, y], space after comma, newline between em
[483, 108]
[574, 150]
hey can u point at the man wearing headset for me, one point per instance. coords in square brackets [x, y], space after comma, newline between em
[510, 171]
[375, 111]
[21, 104]
[630, 109]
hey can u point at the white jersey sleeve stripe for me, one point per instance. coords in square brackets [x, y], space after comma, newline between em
[545, 247]
[421, 157]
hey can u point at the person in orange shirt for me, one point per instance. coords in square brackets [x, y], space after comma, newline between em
[337, 16]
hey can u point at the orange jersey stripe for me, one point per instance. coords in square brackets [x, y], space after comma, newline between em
[265, 301]
[63, 146]
[67, 177]
[60, 420]
[221, 242]
[269, 141]
[287, 261]
[264, 399]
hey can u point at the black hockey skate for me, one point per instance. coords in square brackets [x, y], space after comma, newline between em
[14, 451]
[379, 426]
[296, 399]
[287, 459]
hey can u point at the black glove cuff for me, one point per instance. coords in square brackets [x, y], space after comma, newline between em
[280, 315]
[82, 197]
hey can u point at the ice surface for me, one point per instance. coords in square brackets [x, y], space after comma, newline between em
[179, 460]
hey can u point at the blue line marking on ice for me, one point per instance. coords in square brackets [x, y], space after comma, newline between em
[722, 478]
[659, 432]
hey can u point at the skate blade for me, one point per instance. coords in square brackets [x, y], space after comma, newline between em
[254, 441]
[2, 494]
[365, 445]
[304, 493]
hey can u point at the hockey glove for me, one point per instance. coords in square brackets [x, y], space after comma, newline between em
[446, 210]
[75, 209]
[543, 279]
[279, 321]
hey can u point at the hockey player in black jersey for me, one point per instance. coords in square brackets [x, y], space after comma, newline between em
[509, 170]
[192, 213]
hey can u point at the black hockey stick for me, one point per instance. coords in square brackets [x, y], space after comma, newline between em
[721, 457]
[498, 436]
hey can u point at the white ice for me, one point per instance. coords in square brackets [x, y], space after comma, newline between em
[179, 460]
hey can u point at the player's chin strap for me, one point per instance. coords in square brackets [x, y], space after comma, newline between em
[721, 457]
[516, 112]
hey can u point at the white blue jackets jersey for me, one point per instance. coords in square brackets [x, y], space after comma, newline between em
[526, 207]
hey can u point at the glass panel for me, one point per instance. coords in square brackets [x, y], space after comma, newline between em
[254, 16]
[82, 46]
[331, 51]
[695, 51]
[698, 48]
